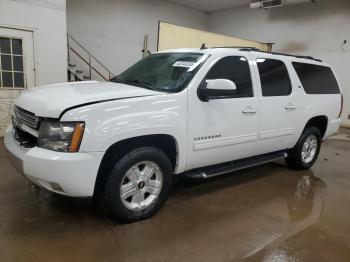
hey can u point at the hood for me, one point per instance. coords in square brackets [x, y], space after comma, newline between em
[52, 100]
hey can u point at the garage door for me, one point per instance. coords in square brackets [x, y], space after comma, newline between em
[17, 70]
[172, 36]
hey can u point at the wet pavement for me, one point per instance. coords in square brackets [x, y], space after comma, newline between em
[265, 213]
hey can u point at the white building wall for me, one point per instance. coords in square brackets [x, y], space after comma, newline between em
[47, 19]
[114, 29]
[318, 30]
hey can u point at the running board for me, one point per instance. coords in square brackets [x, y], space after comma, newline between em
[221, 169]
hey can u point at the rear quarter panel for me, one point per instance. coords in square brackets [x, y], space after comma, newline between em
[316, 105]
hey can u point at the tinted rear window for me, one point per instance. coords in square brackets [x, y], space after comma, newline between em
[316, 79]
[274, 77]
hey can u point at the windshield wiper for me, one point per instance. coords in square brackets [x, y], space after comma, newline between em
[134, 82]
[140, 83]
[116, 80]
[145, 84]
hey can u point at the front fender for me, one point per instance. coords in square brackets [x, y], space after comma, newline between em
[111, 122]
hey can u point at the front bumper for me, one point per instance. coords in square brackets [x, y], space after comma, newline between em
[71, 174]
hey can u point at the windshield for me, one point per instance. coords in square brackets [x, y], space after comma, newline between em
[168, 72]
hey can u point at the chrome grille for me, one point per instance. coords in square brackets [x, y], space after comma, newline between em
[26, 117]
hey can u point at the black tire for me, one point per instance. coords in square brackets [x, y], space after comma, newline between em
[110, 199]
[294, 159]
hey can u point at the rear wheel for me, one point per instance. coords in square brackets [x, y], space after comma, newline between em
[306, 151]
[138, 185]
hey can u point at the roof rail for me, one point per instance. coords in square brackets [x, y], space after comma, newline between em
[249, 49]
[309, 57]
[241, 48]
[254, 49]
[203, 47]
[297, 56]
[283, 54]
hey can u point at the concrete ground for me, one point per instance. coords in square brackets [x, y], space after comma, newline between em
[265, 213]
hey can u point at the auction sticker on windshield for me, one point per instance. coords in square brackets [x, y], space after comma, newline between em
[186, 64]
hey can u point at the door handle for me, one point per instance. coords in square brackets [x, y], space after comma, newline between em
[249, 110]
[290, 106]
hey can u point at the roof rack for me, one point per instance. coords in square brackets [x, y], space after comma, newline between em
[249, 49]
[254, 49]
[276, 53]
[203, 47]
[297, 56]
[241, 48]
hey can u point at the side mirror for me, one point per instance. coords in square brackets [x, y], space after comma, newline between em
[216, 89]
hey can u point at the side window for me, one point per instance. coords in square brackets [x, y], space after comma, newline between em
[316, 79]
[236, 69]
[274, 77]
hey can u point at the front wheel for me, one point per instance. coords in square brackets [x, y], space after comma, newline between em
[306, 151]
[138, 185]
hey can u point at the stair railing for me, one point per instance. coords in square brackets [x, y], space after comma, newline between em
[90, 60]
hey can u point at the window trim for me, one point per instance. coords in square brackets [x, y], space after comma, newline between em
[13, 71]
[218, 60]
[290, 80]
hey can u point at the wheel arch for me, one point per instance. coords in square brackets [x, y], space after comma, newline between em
[320, 121]
[167, 143]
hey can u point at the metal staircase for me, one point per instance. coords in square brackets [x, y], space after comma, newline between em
[82, 65]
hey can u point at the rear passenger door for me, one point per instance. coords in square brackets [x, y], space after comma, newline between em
[278, 104]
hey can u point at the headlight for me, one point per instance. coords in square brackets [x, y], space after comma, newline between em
[61, 136]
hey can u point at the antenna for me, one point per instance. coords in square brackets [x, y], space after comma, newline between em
[203, 46]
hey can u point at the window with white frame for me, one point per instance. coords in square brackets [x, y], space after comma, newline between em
[11, 63]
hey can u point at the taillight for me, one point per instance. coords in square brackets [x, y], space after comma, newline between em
[341, 105]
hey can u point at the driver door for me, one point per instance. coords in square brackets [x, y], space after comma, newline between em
[224, 129]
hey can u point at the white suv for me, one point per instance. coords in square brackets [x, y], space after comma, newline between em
[199, 112]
